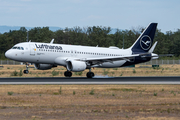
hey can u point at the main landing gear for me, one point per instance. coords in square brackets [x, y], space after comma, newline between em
[67, 73]
[90, 74]
[26, 71]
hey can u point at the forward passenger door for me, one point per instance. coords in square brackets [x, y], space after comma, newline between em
[32, 49]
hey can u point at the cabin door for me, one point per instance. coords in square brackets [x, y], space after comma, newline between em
[32, 49]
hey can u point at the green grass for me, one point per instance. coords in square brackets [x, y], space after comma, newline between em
[121, 74]
[134, 71]
[60, 90]
[56, 93]
[92, 92]
[115, 68]
[74, 92]
[122, 89]
[15, 73]
[54, 73]
[105, 72]
[79, 73]
[20, 73]
[172, 92]
[10, 93]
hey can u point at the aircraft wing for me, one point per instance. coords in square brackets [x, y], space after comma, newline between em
[114, 58]
[108, 59]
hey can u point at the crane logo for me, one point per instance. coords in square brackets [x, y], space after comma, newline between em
[145, 42]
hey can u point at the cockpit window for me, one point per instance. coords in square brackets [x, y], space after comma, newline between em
[19, 48]
[14, 47]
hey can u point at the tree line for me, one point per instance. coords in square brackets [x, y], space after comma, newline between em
[168, 43]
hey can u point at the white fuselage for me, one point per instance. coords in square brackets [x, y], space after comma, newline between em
[46, 53]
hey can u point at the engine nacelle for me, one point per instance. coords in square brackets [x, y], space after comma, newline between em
[76, 66]
[44, 66]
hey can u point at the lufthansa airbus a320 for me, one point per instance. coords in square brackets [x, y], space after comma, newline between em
[78, 58]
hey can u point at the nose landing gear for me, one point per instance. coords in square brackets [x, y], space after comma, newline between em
[26, 71]
[27, 67]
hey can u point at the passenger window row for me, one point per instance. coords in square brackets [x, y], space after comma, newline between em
[90, 53]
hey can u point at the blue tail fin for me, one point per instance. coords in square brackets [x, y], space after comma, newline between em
[145, 40]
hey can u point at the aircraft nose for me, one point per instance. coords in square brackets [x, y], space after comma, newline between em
[8, 54]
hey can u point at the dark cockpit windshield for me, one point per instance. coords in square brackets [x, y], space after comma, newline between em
[17, 47]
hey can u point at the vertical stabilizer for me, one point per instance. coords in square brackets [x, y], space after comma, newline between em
[145, 40]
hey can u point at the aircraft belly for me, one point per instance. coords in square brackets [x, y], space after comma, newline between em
[113, 64]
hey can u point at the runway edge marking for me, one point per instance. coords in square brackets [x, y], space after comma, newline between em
[89, 83]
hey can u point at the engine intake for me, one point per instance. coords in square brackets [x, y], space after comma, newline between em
[76, 66]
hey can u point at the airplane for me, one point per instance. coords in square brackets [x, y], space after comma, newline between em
[77, 58]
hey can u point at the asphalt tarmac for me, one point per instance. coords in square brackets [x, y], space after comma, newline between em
[97, 80]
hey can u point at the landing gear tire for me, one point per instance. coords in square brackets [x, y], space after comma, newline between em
[67, 74]
[26, 71]
[90, 75]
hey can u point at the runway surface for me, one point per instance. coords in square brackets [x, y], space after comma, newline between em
[96, 80]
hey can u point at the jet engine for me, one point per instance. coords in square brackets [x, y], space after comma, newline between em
[76, 66]
[44, 66]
